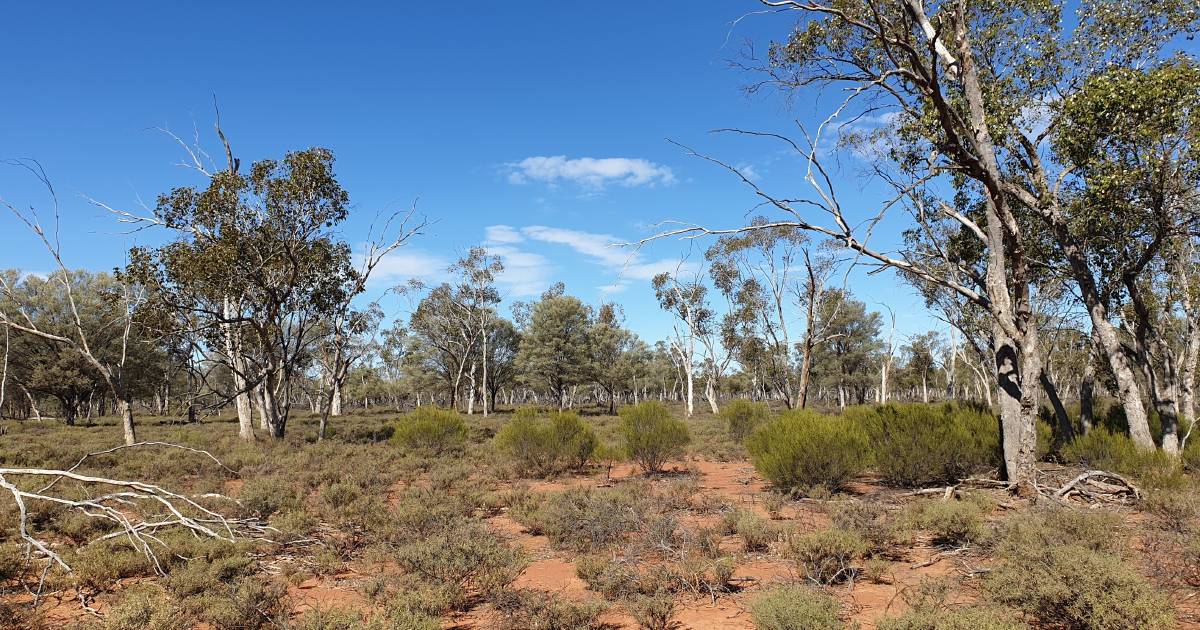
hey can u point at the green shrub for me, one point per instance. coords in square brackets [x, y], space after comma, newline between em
[607, 576]
[540, 446]
[143, 609]
[247, 604]
[920, 445]
[1028, 532]
[651, 435]
[584, 519]
[743, 416]
[950, 522]
[929, 609]
[756, 532]
[867, 519]
[1115, 452]
[526, 610]
[653, 612]
[1176, 510]
[263, 496]
[827, 557]
[795, 608]
[431, 431]
[1190, 456]
[463, 556]
[801, 449]
[1078, 588]
[332, 619]
[12, 562]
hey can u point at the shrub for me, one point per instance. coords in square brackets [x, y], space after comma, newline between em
[756, 532]
[12, 562]
[463, 556]
[1191, 454]
[543, 446]
[920, 445]
[827, 557]
[930, 610]
[801, 448]
[869, 520]
[651, 435]
[525, 609]
[1074, 587]
[331, 619]
[1175, 509]
[795, 608]
[1026, 533]
[653, 612]
[607, 576]
[950, 522]
[431, 431]
[142, 609]
[246, 604]
[743, 416]
[584, 519]
[263, 496]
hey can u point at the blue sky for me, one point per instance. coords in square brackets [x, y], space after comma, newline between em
[537, 128]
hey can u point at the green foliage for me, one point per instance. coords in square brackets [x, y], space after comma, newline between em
[827, 557]
[248, 603]
[144, 609]
[431, 431]
[869, 520]
[1190, 456]
[756, 532]
[585, 519]
[930, 609]
[743, 416]
[544, 445]
[801, 449]
[1074, 587]
[793, 607]
[555, 349]
[950, 522]
[920, 445]
[651, 435]
[653, 612]
[527, 609]
[1113, 451]
[464, 556]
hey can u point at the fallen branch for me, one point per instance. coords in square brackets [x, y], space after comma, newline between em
[137, 509]
[1105, 485]
[137, 445]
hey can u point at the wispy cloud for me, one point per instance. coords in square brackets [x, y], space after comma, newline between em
[605, 250]
[403, 265]
[589, 172]
[525, 273]
[501, 234]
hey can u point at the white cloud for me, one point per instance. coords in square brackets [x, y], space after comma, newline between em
[594, 173]
[605, 250]
[525, 273]
[406, 264]
[501, 234]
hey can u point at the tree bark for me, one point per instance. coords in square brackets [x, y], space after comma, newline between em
[1065, 431]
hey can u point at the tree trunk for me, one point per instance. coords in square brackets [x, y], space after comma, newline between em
[1064, 430]
[1018, 412]
[710, 392]
[126, 409]
[1128, 390]
[1087, 391]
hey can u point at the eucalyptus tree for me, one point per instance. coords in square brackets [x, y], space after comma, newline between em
[687, 301]
[756, 270]
[961, 84]
[920, 356]
[615, 353]
[258, 265]
[845, 362]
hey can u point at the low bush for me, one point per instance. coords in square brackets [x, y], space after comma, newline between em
[653, 612]
[1026, 533]
[245, 604]
[527, 609]
[585, 519]
[332, 619]
[263, 496]
[609, 577]
[12, 562]
[1190, 455]
[950, 522]
[800, 449]
[756, 532]
[743, 416]
[465, 556]
[430, 431]
[542, 445]
[929, 609]
[1078, 588]
[795, 608]
[919, 445]
[827, 557]
[1176, 510]
[652, 435]
[867, 519]
[144, 609]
